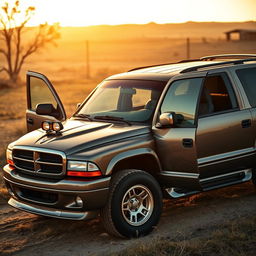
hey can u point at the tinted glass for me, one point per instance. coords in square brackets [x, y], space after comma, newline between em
[217, 95]
[248, 79]
[182, 98]
[40, 93]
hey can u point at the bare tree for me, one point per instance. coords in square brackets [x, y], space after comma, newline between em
[12, 25]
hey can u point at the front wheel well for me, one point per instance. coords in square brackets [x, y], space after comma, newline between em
[145, 163]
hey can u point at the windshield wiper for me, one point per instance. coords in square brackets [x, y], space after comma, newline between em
[86, 116]
[112, 118]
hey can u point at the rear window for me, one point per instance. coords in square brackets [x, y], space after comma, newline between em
[247, 77]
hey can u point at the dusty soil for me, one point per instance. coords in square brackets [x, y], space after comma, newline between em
[27, 234]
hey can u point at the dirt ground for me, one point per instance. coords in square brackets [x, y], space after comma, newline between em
[24, 234]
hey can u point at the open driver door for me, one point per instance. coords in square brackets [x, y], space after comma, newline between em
[43, 103]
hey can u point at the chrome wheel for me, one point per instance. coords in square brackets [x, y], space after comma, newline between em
[137, 205]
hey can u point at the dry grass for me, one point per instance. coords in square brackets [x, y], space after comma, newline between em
[237, 238]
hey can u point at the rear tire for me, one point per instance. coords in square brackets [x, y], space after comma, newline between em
[134, 206]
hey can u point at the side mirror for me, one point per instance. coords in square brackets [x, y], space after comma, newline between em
[45, 109]
[170, 119]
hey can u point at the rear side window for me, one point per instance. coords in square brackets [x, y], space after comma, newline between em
[217, 95]
[247, 78]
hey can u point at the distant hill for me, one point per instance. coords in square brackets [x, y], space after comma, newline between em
[153, 30]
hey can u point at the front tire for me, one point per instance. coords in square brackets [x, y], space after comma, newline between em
[134, 206]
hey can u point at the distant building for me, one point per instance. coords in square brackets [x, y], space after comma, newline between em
[241, 34]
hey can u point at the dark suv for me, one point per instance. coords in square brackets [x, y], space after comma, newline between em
[167, 130]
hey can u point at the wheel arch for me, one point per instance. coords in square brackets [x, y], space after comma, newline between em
[142, 159]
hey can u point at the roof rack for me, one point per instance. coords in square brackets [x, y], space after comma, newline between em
[156, 65]
[150, 66]
[228, 56]
[238, 57]
[234, 62]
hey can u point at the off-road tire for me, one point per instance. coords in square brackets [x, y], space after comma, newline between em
[142, 216]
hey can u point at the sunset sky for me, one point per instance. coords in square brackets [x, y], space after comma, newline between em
[95, 12]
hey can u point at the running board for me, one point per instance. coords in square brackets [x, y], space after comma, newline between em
[215, 182]
[179, 192]
[226, 179]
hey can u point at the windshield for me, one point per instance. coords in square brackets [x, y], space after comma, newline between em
[129, 100]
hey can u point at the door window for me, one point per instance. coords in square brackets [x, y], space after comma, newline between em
[247, 77]
[40, 93]
[182, 98]
[217, 95]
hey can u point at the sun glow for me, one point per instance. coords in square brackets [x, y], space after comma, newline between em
[96, 12]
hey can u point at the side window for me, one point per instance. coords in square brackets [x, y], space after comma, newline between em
[247, 77]
[182, 98]
[217, 95]
[40, 93]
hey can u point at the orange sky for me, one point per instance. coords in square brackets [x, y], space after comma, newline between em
[94, 12]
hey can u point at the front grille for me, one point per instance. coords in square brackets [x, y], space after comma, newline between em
[39, 161]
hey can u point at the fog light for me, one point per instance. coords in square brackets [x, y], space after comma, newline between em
[79, 202]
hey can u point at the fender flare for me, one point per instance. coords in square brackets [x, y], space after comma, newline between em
[131, 153]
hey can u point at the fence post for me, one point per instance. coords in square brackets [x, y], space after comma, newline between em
[188, 48]
[87, 60]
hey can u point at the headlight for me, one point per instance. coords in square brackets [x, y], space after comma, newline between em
[77, 166]
[83, 169]
[9, 157]
[9, 154]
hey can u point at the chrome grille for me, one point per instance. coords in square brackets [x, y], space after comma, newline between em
[39, 161]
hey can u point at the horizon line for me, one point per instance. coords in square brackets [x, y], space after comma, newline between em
[149, 23]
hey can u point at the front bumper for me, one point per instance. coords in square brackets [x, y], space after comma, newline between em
[67, 199]
[50, 212]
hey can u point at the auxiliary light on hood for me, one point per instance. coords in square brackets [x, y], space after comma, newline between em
[49, 126]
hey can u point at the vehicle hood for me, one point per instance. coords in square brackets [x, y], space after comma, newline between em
[80, 135]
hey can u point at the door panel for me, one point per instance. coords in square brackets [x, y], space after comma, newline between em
[225, 137]
[176, 146]
[173, 154]
[39, 91]
[178, 161]
[224, 144]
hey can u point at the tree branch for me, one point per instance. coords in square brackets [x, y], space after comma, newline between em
[4, 69]
[18, 50]
[12, 23]
[3, 52]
